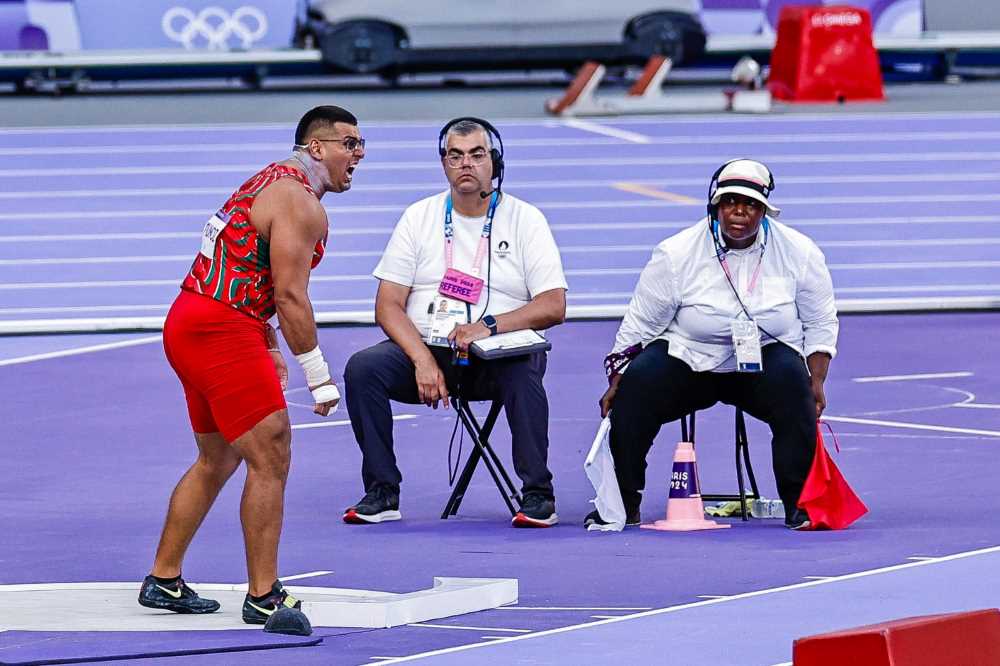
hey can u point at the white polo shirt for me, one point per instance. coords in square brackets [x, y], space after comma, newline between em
[683, 297]
[523, 260]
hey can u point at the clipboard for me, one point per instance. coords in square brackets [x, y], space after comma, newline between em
[513, 343]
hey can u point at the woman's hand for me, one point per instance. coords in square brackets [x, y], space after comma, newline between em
[609, 396]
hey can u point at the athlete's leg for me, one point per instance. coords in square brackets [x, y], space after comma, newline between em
[191, 500]
[266, 447]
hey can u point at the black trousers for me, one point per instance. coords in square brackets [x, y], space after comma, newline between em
[658, 388]
[381, 373]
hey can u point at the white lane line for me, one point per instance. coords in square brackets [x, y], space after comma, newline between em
[975, 405]
[310, 574]
[963, 157]
[850, 119]
[80, 350]
[154, 283]
[902, 378]
[912, 426]
[565, 249]
[666, 183]
[455, 626]
[148, 259]
[790, 138]
[917, 288]
[659, 183]
[784, 663]
[544, 205]
[701, 604]
[575, 608]
[663, 225]
[334, 424]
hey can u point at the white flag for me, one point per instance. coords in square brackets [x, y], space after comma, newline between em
[600, 469]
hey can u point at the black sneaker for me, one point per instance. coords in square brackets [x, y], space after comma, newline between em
[258, 612]
[632, 518]
[799, 521]
[536, 511]
[177, 597]
[379, 505]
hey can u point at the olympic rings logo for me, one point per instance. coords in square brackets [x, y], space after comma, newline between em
[213, 27]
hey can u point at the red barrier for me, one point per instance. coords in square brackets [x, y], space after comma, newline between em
[825, 54]
[969, 639]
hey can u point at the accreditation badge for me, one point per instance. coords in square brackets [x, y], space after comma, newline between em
[211, 232]
[746, 343]
[447, 313]
[464, 287]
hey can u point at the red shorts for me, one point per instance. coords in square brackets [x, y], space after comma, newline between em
[221, 358]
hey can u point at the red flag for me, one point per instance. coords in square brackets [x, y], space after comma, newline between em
[826, 497]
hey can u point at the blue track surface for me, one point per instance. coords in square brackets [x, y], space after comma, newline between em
[104, 222]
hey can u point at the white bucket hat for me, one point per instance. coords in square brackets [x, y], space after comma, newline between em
[749, 178]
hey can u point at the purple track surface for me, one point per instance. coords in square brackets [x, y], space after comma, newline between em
[102, 222]
[94, 444]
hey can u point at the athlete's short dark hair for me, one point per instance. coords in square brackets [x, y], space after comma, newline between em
[321, 116]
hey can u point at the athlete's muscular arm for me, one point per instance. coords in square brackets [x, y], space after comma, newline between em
[295, 221]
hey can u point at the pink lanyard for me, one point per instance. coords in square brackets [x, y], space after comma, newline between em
[753, 279]
[484, 237]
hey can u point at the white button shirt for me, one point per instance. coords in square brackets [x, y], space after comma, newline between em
[683, 297]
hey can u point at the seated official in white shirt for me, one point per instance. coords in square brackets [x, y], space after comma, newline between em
[461, 266]
[738, 308]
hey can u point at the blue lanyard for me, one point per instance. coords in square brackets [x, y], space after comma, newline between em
[449, 232]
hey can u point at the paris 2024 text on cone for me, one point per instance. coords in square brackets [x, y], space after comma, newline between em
[684, 508]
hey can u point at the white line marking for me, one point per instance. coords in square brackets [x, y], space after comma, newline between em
[790, 138]
[550, 205]
[80, 350]
[784, 663]
[821, 158]
[974, 405]
[900, 378]
[310, 574]
[597, 128]
[154, 283]
[911, 426]
[333, 424]
[575, 608]
[708, 602]
[711, 596]
[666, 183]
[818, 577]
[455, 626]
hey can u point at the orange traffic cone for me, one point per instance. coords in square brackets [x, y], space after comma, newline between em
[684, 509]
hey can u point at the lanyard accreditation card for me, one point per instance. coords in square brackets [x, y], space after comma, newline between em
[458, 291]
[746, 334]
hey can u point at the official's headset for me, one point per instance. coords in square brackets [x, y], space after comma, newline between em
[713, 209]
[496, 151]
[713, 221]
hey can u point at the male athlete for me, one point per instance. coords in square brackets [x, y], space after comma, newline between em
[256, 255]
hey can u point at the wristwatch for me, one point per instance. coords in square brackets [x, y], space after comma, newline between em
[491, 323]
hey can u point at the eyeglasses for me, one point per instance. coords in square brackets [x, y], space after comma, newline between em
[733, 200]
[457, 159]
[350, 143]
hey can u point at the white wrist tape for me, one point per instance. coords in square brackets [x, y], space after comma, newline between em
[326, 393]
[315, 368]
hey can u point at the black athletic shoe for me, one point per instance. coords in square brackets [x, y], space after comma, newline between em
[632, 519]
[258, 612]
[178, 597]
[379, 505]
[798, 521]
[537, 510]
